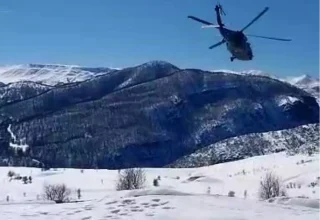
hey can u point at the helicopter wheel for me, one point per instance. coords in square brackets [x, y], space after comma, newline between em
[231, 59]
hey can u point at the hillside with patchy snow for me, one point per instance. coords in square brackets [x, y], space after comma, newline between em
[303, 139]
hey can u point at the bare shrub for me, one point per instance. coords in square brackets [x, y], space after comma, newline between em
[58, 193]
[11, 174]
[25, 180]
[313, 184]
[155, 182]
[133, 178]
[17, 177]
[231, 193]
[271, 187]
[245, 193]
[209, 190]
[303, 197]
[79, 193]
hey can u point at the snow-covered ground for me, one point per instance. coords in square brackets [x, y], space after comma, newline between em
[182, 193]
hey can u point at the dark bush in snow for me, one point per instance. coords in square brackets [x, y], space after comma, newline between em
[58, 193]
[231, 193]
[25, 179]
[11, 174]
[155, 182]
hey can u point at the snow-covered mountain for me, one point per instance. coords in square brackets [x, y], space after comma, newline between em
[147, 115]
[245, 72]
[305, 81]
[50, 74]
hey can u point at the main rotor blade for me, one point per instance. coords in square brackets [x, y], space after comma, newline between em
[271, 38]
[256, 18]
[209, 26]
[217, 44]
[200, 20]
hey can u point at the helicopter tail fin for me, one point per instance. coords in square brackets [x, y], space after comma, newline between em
[219, 11]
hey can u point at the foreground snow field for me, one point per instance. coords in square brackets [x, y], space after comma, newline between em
[182, 193]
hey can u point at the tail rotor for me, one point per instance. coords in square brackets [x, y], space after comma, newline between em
[221, 9]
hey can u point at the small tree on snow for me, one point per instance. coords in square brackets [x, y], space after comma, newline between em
[79, 193]
[11, 174]
[231, 193]
[25, 179]
[58, 193]
[155, 182]
[271, 187]
[133, 178]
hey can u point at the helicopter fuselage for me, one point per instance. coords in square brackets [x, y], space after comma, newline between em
[237, 44]
[236, 41]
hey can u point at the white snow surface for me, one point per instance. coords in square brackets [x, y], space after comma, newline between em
[182, 194]
[16, 143]
[287, 100]
[50, 74]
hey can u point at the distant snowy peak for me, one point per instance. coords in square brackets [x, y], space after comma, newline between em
[307, 83]
[50, 74]
[245, 72]
[157, 64]
[304, 81]
[297, 80]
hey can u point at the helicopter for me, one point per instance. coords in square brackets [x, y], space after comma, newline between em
[236, 41]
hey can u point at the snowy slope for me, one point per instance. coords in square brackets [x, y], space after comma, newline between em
[180, 196]
[306, 82]
[50, 74]
[21, 90]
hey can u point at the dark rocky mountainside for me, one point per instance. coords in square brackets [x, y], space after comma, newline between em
[148, 115]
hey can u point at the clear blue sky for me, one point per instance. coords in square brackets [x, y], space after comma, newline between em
[121, 33]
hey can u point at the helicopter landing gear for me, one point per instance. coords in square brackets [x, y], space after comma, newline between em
[232, 58]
